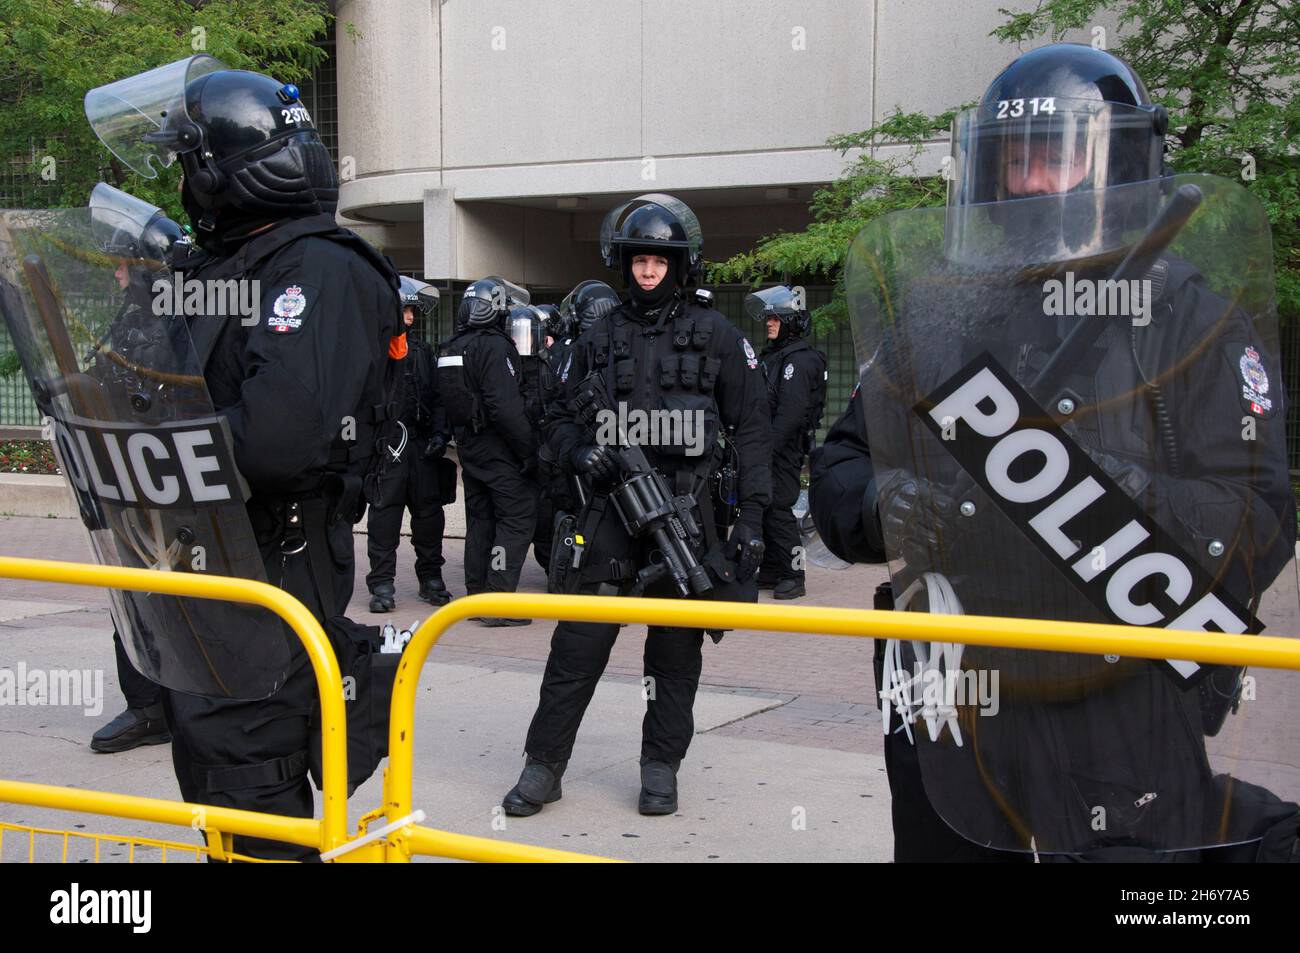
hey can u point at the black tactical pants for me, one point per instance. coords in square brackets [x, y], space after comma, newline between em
[138, 690]
[920, 834]
[500, 515]
[579, 653]
[252, 755]
[544, 533]
[410, 483]
[780, 530]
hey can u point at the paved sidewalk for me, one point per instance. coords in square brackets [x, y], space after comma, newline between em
[786, 764]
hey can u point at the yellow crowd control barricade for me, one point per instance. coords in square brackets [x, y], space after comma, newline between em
[329, 833]
[400, 836]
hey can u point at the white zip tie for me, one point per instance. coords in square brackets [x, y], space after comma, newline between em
[372, 836]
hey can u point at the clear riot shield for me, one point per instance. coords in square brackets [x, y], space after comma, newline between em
[150, 462]
[1098, 439]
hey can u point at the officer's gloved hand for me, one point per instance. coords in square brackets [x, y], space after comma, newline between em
[595, 461]
[436, 447]
[746, 548]
[918, 520]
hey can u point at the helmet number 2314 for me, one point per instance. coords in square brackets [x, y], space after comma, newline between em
[1015, 108]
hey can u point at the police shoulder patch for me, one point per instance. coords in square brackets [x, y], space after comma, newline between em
[750, 357]
[1250, 369]
[287, 311]
[788, 372]
[510, 367]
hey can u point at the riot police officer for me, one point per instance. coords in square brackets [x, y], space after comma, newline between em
[412, 479]
[796, 391]
[479, 386]
[1059, 176]
[300, 382]
[562, 490]
[580, 308]
[657, 351]
[142, 254]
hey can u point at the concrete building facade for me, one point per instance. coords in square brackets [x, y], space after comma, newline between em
[491, 136]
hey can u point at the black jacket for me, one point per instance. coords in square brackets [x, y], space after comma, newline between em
[842, 489]
[421, 410]
[1076, 731]
[305, 373]
[658, 366]
[796, 390]
[491, 375]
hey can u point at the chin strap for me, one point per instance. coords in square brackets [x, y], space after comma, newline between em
[938, 668]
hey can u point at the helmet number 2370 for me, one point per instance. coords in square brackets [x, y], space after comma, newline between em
[1015, 108]
[295, 114]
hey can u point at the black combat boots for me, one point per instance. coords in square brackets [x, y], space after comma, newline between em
[658, 788]
[131, 729]
[434, 591]
[539, 784]
[383, 598]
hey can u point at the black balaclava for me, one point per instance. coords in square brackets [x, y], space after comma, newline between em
[647, 304]
[231, 227]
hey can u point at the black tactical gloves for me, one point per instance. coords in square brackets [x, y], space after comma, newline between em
[595, 461]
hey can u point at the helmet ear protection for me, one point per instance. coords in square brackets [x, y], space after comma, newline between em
[205, 180]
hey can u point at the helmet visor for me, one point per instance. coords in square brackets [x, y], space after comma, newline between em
[526, 331]
[690, 224]
[1020, 148]
[419, 294]
[515, 296]
[775, 302]
[139, 118]
[118, 220]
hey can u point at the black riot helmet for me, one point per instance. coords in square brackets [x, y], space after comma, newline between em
[246, 142]
[783, 303]
[487, 302]
[656, 225]
[1070, 130]
[420, 295]
[584, 304]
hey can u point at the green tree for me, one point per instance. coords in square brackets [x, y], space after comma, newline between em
[1228, 71]
[870, 186]
[52, 52]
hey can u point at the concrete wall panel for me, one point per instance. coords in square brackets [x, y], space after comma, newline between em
[528, 82]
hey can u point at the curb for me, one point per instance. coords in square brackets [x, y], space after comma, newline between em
[42, 495]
